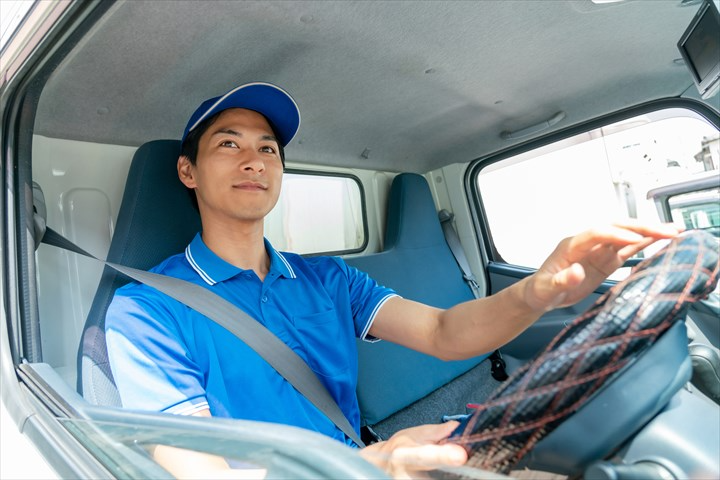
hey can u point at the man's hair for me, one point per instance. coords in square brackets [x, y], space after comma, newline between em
[191, 145]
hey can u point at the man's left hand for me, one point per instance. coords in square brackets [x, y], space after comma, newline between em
[580, 263]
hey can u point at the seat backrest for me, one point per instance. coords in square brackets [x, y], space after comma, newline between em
[419, 265]
[156, 219]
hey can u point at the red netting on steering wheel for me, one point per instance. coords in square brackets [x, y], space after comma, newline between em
[623, 323]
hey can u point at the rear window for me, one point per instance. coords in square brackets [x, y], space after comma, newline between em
[318, 213]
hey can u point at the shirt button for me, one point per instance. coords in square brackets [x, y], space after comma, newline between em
[264, 298]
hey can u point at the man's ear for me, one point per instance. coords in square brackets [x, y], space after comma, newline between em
[185, 171]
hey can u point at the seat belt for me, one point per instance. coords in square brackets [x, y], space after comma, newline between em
[497, 363]
[273, 350]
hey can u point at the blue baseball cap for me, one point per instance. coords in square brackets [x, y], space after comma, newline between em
[271, 101]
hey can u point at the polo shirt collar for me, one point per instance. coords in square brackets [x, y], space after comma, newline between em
[213, 269]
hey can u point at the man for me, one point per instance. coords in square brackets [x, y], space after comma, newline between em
[166, 357]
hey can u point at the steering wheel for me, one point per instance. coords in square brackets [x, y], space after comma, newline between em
[590, 352]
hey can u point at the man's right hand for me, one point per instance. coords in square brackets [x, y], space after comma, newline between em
[411, 451]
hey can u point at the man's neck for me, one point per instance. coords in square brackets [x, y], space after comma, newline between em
[240, 245]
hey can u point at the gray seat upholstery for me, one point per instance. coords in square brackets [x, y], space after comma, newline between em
[156, 219]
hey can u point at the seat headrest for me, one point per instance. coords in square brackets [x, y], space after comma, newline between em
[157, 218]
[412, 220]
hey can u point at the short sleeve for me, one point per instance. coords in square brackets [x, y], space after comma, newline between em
[151, 363]
[366, 298]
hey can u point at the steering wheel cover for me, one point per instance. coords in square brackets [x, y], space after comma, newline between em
[618, 409]
[617, 329]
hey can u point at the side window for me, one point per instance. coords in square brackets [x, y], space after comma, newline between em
[318, 213]
[534, 199]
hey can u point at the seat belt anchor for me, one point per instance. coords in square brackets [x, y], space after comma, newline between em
[369, 436]
[470, 279]
[498, 366]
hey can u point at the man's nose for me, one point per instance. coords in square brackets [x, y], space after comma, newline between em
[253, 161]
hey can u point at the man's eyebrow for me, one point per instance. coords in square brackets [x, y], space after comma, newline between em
[230, 131]
[270, 138]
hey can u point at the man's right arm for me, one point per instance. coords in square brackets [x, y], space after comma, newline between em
[153, 369]
[190, 464]
[152, 364]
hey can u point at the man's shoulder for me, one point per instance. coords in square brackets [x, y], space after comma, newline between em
[174, 266]
[137, 306]
[318, 263]
[329, 269]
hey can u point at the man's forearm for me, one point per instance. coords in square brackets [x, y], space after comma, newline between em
[463, 331]
[480, 326]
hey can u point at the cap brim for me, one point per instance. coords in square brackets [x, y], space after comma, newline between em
[274, 103]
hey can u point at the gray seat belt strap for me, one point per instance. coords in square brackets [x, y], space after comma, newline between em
[281, 357]
[453, 242]
[497, 363]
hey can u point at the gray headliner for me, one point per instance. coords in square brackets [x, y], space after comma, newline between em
[418, 84]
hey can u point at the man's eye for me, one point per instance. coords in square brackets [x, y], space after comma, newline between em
[267, 149]
[228, 143]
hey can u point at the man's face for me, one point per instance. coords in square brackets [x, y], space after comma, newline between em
[238, 172]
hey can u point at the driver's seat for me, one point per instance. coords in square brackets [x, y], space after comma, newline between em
[156, 219]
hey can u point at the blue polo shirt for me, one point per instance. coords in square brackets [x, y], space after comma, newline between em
[167, 357]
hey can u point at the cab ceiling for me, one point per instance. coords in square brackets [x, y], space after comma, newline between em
[412, 85]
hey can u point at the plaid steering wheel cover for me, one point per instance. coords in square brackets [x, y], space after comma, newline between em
[622, 324]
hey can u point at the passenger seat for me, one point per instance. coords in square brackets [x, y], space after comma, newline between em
[398, 387]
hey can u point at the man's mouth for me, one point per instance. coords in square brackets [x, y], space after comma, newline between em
[250, 186]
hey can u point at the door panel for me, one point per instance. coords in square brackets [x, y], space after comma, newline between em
[535, 338]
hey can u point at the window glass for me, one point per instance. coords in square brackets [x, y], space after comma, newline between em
[535, 199]
[699, 210]
[317, 214]
[125, 443]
